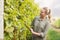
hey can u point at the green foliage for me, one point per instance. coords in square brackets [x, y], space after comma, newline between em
[57, 23]
[15, 13]
[53, 35]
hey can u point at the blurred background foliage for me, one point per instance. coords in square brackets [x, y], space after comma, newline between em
[57, 23]
[18, 11]
[53, 35]
[54, 31]
[15, 13]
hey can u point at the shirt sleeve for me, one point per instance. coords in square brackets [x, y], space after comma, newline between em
[46, 29]
[34, 22]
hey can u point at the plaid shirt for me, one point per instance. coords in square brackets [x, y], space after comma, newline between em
[40, 26]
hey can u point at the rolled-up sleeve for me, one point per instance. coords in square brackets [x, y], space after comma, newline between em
[46, 29]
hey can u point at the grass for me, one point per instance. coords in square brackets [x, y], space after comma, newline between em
[53, 35]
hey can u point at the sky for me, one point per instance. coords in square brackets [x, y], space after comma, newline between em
[54, 5]
[1, 19]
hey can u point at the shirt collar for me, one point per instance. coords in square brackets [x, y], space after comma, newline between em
[41, 19]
